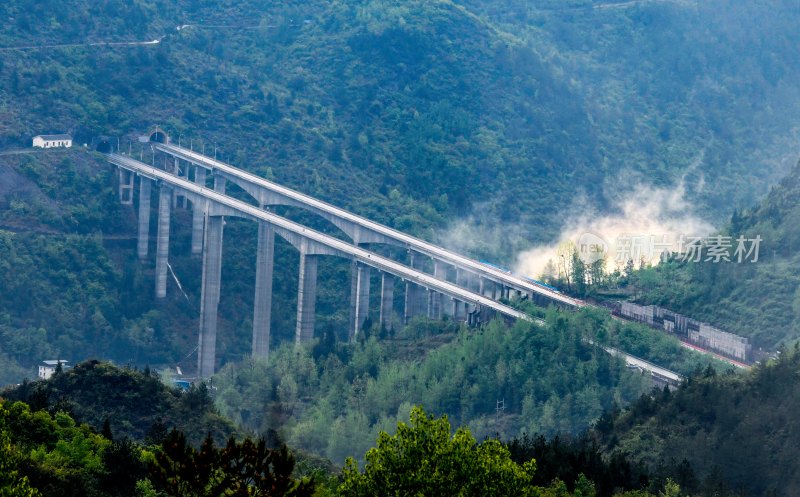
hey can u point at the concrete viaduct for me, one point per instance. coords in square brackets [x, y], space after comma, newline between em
[214, 205]
[364, 231]
[460, 287]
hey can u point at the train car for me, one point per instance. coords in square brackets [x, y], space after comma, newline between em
[539, 283]
[495, 266]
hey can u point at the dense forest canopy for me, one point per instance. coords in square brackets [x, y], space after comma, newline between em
[483, 125]
[739, 429]
[758, 300]
[471, 123]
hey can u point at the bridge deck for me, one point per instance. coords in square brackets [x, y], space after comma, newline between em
[645, 365]
[360, 254]
[411, 242]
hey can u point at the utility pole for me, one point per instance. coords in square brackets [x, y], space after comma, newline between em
[499, 409]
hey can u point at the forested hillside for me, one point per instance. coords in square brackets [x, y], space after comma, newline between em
[544, 379]
[420, 115]
[129, 404]
[483, 125]
[739, 429]
[700, 88]
[760, 300]
[396, 110]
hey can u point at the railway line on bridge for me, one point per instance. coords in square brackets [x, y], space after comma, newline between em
[473, 297]
[360, 229]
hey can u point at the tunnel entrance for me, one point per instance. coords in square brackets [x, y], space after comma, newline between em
[103, 146]
[159, 137]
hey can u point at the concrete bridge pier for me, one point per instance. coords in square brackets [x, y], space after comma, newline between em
[464, 279]
[306, 297]
[162, 242]
[209, 300]
[387, 300]
[145, 186]
[435, 299]
[473, 315]
[416, 299]
[262, 312]
[359, 298]
[449, 306]
[459, 310]
[198, 216]
[176, 170]
[126, 186]
[210, 291]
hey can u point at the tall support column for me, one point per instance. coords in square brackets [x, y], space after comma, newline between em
[459, 310]
[126, 186]
[416, 299]
[219, 184]
[162, 242]
[470, 281]
[144, 217]
[198, 216]
[359, 297]
[306, 298]
[464, 279]
[387, 300]
[449, 306]
[363, 295]
[435, 298]
[262, 312]
[209, 300]
[176, 170]
[351, 328]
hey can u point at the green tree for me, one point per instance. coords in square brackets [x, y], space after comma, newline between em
[246, 469]
[12, 484]
[578, 274]
[423, 459]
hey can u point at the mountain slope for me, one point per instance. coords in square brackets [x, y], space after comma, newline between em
[757, 300]
[417, 114]
[741, 427]
[676, 88]
[400, 110]
[132, 402]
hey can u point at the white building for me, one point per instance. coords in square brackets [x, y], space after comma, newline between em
[47, 368]
[52, 141]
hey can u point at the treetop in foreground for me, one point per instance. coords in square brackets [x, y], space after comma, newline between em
[423, 459]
